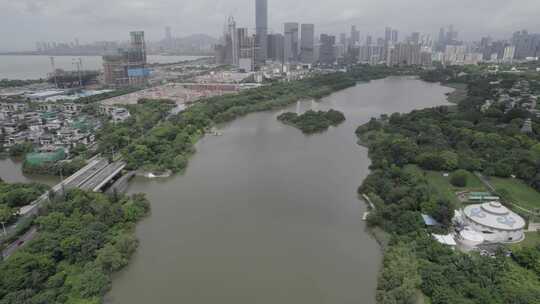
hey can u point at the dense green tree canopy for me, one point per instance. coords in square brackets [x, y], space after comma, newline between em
[82, 240]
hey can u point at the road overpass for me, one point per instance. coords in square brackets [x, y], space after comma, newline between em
[103, 177]
[93, 177]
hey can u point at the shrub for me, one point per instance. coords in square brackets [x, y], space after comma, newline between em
[459, 178]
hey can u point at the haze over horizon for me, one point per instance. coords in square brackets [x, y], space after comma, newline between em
[98, 20]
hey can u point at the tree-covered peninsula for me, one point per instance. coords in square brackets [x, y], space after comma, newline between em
[82, 239]
[488, 133]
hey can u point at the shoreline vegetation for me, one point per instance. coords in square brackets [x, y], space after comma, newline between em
[155, 142]
[9, 83]
[407, 151]
[83, 238]
[17, 195]
[312, 122]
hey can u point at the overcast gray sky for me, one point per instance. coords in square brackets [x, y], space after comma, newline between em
[23, 22]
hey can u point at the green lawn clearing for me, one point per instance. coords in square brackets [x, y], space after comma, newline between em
[447, 190]
[442, 184]
[519, 193]
[532, 239]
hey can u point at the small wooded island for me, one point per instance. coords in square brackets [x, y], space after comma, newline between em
[311, 121]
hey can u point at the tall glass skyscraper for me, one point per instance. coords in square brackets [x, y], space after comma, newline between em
[307, 43]
[261, 24]
[291, 42]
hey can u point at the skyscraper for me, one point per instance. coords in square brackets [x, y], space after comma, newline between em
[275, 47]
[233, 52]
[137, 50]
[527, 44]
[307, 43]
[369, 40]
[343, 39]
[355, 36]
[168, 37]
[127, 67]
[327, 54]
[261, 24]
[291, 41]
[246, 49]
[388, 35]
[395, 36]
[415, 38]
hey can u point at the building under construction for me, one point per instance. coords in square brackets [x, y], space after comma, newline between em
[127, 67]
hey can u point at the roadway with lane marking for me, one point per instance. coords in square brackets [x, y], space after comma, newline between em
[103, 176]
[88, 174]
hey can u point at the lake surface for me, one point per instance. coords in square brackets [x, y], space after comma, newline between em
[267, 215]
[38, 66]
[11, 171]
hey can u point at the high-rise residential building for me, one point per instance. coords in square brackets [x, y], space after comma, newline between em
[415, 38]
[233, 52]
[509, 54]
[473, 58]
[343, 39]
[388, 35]
[369, 40]
[441, 43]
[455, 54]
[370, 54]
[242, 37]
[404, 54]
[527, 45]
[246, 48]
[307, 43]
[451, 35]
[355, 35]
[395, 36]
[261, 24]
[327, 52]
[291, 45]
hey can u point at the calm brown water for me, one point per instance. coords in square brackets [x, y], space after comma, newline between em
[11, 171]
[267, 215]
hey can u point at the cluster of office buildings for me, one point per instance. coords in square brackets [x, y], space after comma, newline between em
[248, 51]
[522, 46]
[298, 44]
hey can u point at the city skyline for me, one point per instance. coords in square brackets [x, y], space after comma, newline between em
[88, 21]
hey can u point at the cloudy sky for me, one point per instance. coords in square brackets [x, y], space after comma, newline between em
[23, 22]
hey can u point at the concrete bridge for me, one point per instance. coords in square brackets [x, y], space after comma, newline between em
[92, 177]
[95, 176]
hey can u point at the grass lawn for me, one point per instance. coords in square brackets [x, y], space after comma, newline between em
[532, 239]
[520, 193]
[446, 189]
[442, 184]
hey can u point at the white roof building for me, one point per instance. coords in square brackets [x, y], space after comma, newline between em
[470, 239]
[445, 239]
[495, 222]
